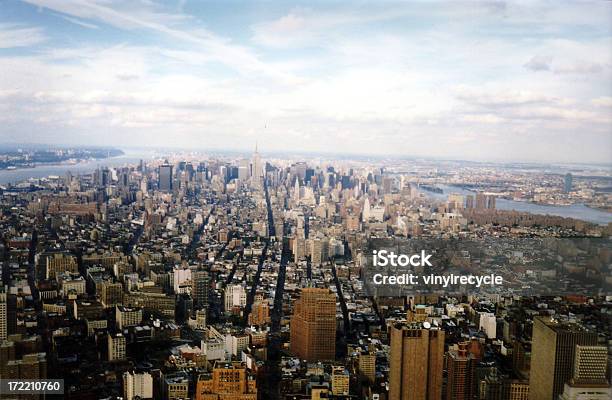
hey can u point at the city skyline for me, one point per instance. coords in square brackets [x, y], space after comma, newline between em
[197, 277]
[472, 81]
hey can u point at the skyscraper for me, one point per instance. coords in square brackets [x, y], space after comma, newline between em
[366, 210]
[552, 355]
[3, 314]
[458, 365]
[416, 362]
[165, 177]
[589, 379]
[469, 201]
[313, 325]
[590, 364]
[199, 288]
[461, 367]
[491, 202]
[456, 201]
[256, 167]
[567, 183]
[481, 201]
[296, 189]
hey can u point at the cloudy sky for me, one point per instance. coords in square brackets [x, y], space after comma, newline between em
[521, 81]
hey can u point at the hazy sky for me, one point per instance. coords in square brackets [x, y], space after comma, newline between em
[493, 80]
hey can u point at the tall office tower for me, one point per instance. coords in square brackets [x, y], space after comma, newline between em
[308, 174]
[229, 381]
[144, 185]
[406, 189]
[256, 167]
[387, 184]
[3, 313]
[469, 201]
[299, 248]
[481, 201]
[116, 347]
[199, 288]
[590, 364]
[164, 182]
[300, 169]
[232, 172]
[366, 210]
[223, 173]
[521, 358]
[316, 251]
[416, 362]
[184, 308]
[313, 325]
[589, 379]
[458, 365]
[461, 366]
[102, 177]
[123, 177]
[137, 385]
[296, 189]
[456, 201]
[491, 202]
[244, 170]
[552, 355]
[567, 183]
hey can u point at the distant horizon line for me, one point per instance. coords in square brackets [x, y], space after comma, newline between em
[310, 153]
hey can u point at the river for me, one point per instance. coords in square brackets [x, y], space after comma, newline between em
[576, 211]
[83, 167]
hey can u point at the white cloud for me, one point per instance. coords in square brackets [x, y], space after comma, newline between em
[580, 68]
[605, 101]
[442, 86]
[79, 22]
[145, 17]
[539, 63]
[12, 36]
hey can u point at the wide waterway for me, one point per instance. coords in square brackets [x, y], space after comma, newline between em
[83, 167]
[577, 211]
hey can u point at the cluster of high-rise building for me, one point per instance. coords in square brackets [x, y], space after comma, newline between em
[192, 277]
